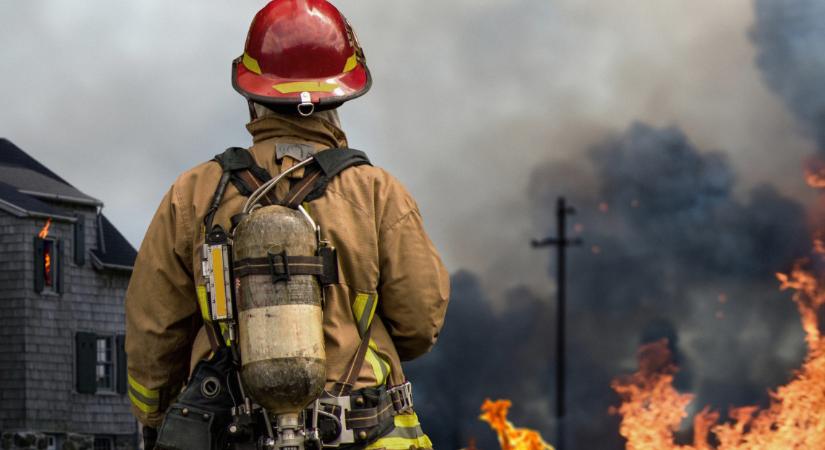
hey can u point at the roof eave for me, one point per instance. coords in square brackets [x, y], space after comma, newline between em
[64, 198]
[22, 212]
[100, 265]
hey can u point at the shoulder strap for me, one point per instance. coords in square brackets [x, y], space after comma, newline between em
[334, 160]
[240, 169]
[328, 164]
[237, 159]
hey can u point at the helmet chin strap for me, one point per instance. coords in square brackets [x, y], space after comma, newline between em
[253, 115]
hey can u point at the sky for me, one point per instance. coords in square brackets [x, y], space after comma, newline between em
[469, 97]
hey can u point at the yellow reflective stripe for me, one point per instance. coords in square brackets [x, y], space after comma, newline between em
[142, 390]
[352, 63]
[398, 443]
[363, 308]
[251, 64]
[379, 367]
[407, 420]
[302, 86]
[140, 405]
[144, 399]
[202, 302]
[220, 286]
[225, 332]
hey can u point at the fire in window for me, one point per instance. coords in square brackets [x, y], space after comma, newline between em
[47, 261]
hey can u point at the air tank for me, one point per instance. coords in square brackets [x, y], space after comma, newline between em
[280, 321]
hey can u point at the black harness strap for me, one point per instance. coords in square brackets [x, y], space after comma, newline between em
[237, 159]
[328, 163]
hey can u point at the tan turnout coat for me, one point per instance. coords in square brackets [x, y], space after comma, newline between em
[366, 214]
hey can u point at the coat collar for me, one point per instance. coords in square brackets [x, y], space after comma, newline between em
[319, 130]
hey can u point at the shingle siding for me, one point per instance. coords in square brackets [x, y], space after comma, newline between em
[12, 318]
[37, 373]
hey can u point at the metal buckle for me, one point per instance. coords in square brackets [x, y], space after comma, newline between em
[276, 277]
[344, 405]
[401, 397]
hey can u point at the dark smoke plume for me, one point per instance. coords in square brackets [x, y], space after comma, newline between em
[670, 252]
[790, 38]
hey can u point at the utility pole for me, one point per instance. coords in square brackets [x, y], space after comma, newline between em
[561, 242]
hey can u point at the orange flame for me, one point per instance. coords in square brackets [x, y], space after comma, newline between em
[815, 178]
[652, 409]
[44, 233]
[47, 268]
[510, 437]
[815, 172]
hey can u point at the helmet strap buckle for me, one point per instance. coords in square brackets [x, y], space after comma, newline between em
[306, 107]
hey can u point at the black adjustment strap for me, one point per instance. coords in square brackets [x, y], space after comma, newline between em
[274, 266]
[370, 417]
[216, 201]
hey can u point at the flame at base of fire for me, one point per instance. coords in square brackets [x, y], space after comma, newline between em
[652, 408]
[510, 437]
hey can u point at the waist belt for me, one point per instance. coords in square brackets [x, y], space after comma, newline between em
[363, 416]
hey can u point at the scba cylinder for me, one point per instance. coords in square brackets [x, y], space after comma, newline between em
[280, 317]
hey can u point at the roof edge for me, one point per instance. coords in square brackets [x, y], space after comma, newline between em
[22, 212]
[64, 198]
[13, 209]
[100, 265]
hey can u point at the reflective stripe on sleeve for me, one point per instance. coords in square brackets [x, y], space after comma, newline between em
[144, 399]
[407, 434]
[380, 367]
[363, 308]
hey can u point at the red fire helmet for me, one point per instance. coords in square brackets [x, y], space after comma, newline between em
[301, 53]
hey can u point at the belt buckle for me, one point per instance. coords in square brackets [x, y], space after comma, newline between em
[401, 397]
[344, 404]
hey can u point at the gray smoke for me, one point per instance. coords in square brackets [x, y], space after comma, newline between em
[790, 38]
[670, 252]
[471, 97]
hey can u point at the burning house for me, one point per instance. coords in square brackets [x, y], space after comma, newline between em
[64, 269]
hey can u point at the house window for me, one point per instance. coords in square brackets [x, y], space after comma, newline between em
[47, 265]
[104, 367]
[103, 443]
[100, 363]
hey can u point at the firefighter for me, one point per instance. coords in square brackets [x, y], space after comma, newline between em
[300, 62]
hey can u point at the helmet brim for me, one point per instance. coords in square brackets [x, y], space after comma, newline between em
[326, 93]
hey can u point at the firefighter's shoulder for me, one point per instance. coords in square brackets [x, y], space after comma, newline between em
[373, 189]
[197, 184]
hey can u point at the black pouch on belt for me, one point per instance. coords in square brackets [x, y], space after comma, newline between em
[201, 414]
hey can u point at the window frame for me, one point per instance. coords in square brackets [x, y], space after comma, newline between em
[111, 363]
[55, 246]
[109, 440]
